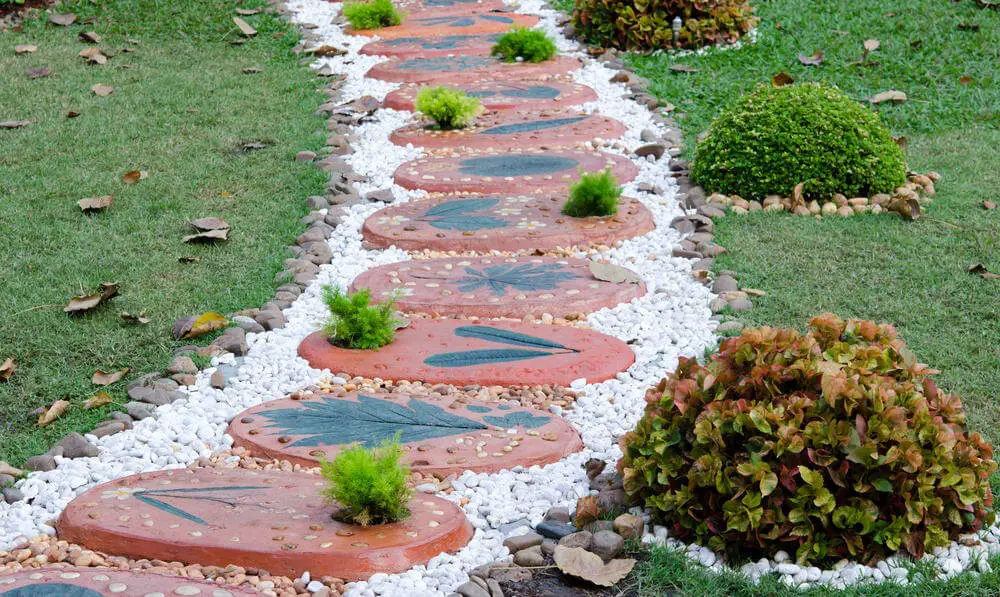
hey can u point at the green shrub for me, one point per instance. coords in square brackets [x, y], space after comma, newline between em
[778, 137]
[356, 323]
[373, 14]
[529, 45]
[449, 108]
[369, 485]
[832, 444]
[595, 194]
[647, 25]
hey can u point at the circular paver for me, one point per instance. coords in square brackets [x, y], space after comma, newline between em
[500, 222]
[440, 435]
[492, 353]
[528, 170]
[440, 70]
[514, 130]
[419, 25]
[527, 96]
[262, 519]
[433, 47]
[448, 7]
[106, 582]
[496, 286]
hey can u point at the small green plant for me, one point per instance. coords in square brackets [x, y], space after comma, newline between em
[449, 108]
[369, 485]
[595, 194]
[529, 45]
[374, 14]
[778, 137]
[356, 323]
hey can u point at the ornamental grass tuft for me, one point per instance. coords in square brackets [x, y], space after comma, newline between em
[355, 322]
[530, 45]
[449, 108]
[373, 14]
[369, 485]
[595, 194]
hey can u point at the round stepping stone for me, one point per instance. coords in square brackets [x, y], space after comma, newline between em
[496, 286]
[492, 353]
[261, 519]
[106, 582]
[528, 96]
[440, 436]
[460, 24]
[500, 222]
[440, 70]
[432, 47]
[514, 130]
[531, 171]
[449, 7]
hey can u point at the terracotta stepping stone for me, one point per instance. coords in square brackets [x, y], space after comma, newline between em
[514, 130]
[449, 7]
[497, 286]
[260, 519]
[529, 171]
[529, 96]
[489, 353]
[107, 582]
[499, 222]
[448, 70]
[440, 435]
[433, 47]
[460, 24]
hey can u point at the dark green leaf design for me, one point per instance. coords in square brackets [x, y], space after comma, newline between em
[478, 409]
[455, 215]
[51, 589]
[460, 206]
[471, 358]
[370, 421]
[522, 418]
[506, 337]
[527, 277]
[147, 497]
[468, 223]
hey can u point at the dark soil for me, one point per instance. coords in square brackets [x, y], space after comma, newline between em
[550, 582]
[7, 7]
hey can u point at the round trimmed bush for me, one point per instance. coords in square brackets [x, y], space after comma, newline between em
[647, 25]
[831, 444]
[778, 137]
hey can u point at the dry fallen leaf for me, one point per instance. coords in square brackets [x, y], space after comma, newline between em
[964, 80]
[587, 511]
[72, 114]
[872, 44]
[205, 224]
[326, 51]
[815, 60]
[245, 27]
[93, 55]
[580, 563]
[90, 36]
[134, 176]
[907, 207]
[102, 90]
[980, 270]
[888, 96]
[798, 197]
[25, 48]
[210, 236]
[103, 378]
[86, 302]
[608, 272]
[53, 412]
[89, 204]
[38, 73]
[247, 11]
[782, 79]
[682, 68]
[62, 19]
[134, 319]
[98, 399]
[754, 292]
[7, 369]
[196, 325]
[989, 205]
[252, 70]
[14, 124]
[189, 259]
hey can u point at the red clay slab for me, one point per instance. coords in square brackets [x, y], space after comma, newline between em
[490, 353]
[441, 70]
[106, 582]
[499, 222]
[527, 171]
[433, 47]
[460, 24]
[449, 7]
[496, 286]
[440, 436]
[514, 130]
[528, 96]
[261, 519]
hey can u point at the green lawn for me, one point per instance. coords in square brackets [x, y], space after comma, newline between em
[181, 110]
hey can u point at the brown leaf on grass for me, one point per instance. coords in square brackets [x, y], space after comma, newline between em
[86, 302]
[963, 26]
[871, 45]
[907, 207]
[38, 73]
[25, 48]
[682, 68]
[588, 509]
[754, 292]
[189, 259]
[902, 142]
[103, 378]
[989, 205]
[815, 60]
[196, 325]
[89, 204]
[245, 27]
[63, 19]
[134, 176]
[72, 114]
[210, 236]
[14, 124]
[978, 269]
[609, 272]
[53, 412]
[246, 12]
[782, 79]
[102, 90]
[7, 369]
[326, 51]
[93, 56]
[895, 97]
[205, 224]
[580, 563]
[964, 80]
[252, 70]
[98, 399]
[139, 319]
[90, 37]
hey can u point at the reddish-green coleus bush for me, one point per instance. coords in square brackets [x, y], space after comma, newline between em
[831, 444]
[647, 25]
